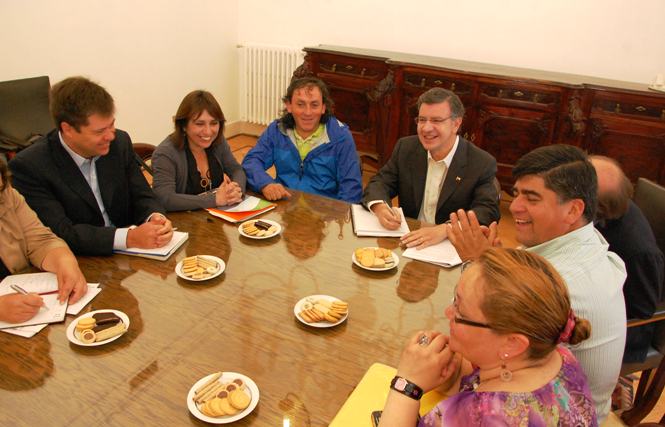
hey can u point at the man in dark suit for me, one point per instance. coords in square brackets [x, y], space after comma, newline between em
[434, 173]
[630, 236]
[82, 178]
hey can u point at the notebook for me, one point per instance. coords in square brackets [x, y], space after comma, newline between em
[45, 284]
[443, 254]
[162, 253]
[365, 223]
[370, 395]
[249, 208]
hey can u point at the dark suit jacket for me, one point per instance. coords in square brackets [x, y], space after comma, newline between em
[469, 183]
[47, 176]
[632, 239]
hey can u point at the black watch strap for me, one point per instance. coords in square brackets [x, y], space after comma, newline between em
[406, 387]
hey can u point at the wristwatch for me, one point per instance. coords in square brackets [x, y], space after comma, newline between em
[406, 387]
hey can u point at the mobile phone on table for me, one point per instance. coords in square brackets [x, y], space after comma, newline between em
[376, 417]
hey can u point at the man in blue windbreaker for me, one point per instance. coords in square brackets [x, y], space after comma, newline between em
[311, 150]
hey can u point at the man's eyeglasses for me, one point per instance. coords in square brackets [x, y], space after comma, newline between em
[435, 121]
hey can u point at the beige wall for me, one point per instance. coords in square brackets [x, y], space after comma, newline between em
[616, 39]
[147, 53]
[150, 53]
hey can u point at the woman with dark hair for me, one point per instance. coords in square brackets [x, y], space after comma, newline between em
[194, 167]
[510, 319]
[24, 240]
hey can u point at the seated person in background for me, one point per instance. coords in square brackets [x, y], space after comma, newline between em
[509, 314]
[554, 204]
[83, 180]
[311, 150]
[23, 241]
[194, 167]
[629, 234]
[434, 174]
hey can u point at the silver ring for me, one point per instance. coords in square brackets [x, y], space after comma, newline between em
[423, 340]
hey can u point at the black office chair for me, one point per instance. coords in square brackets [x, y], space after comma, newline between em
[24, 113]
[650, 198]
[143, 153]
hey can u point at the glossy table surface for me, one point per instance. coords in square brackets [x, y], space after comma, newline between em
[241, 321]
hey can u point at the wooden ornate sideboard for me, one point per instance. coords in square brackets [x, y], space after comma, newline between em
[509, 111]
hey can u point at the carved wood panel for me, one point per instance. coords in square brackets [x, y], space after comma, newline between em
[508, 134]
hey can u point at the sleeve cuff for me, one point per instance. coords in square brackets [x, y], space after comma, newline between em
[120, 238]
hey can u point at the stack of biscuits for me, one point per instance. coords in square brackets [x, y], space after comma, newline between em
[323, 310]
[258, 228]
[217, 398]
[99, 327]
[375, 257]
[198, 267]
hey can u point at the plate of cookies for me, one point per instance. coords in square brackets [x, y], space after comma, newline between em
[200, 267]
[321, 311]
[97, 327]
[223, 397]
[260, 228]
[375, 259]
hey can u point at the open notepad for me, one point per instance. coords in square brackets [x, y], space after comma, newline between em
[443, 254]
[365, 223]
[45, 284]
[249, 208]
[162, 253]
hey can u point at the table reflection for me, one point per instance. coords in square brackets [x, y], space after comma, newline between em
[241, 321]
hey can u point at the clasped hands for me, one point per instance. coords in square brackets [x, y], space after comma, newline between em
[154, 233]
[229, 193]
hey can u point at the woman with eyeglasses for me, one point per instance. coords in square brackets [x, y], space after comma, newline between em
[509, 322]
[194, 167]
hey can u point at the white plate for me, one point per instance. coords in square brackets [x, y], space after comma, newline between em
[72, 327]
[226, 377]
[269, 221]
[298, 308]
[356, 262]
[222, 267]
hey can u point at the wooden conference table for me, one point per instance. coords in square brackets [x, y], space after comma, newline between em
[241, 321]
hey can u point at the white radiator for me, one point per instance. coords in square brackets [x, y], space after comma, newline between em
[265, 74]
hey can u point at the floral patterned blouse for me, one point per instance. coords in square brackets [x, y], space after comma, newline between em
[564, 401]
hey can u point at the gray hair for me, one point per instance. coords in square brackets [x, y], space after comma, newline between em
[438, 95]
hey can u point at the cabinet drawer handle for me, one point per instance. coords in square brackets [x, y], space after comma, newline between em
[438, 82]
[334, 68]
[349, 67]
[617, 109]
[362, 72]
[423, 81]
[452, 86]
[518, 93]
[640, 109]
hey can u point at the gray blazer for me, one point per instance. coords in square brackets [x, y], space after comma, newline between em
[170, 173]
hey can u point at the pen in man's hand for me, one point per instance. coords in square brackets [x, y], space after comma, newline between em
[22, 291]
[396, 214]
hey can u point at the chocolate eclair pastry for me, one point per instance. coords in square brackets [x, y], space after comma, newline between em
[104, 318]
[261, 225]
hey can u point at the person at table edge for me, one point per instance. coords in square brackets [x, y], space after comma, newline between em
[434, 173]
[82, 179]
[311, 150]
[24, 241]
[194, 167]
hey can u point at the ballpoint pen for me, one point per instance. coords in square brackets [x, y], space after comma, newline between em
[22, 291]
